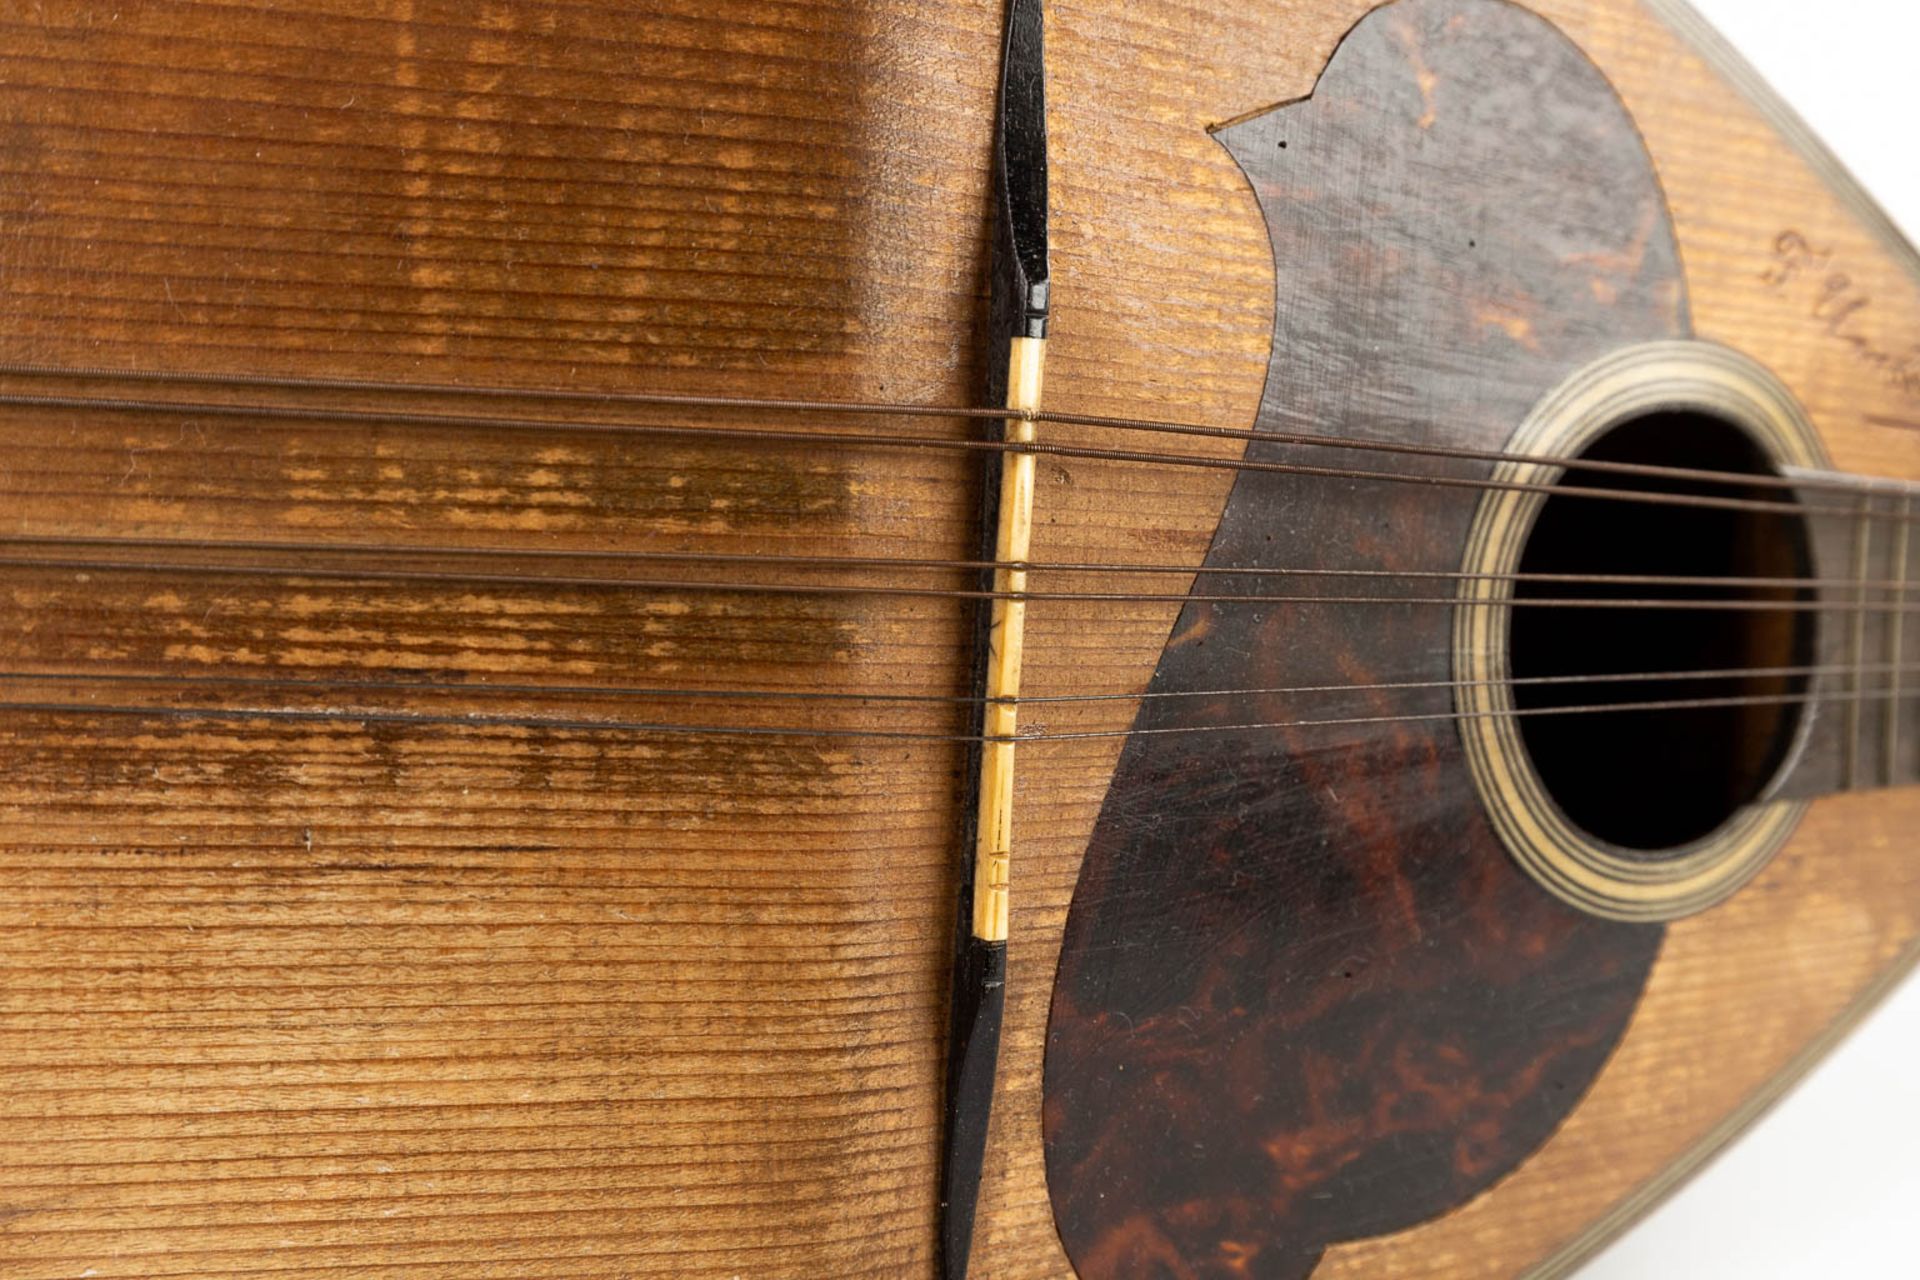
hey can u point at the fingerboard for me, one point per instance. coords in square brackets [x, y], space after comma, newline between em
[1863, 714]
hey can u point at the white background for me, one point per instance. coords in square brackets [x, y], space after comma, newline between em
[1829, 1183]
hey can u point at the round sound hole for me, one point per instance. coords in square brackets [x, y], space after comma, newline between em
[1660, 777]
[1649, 728]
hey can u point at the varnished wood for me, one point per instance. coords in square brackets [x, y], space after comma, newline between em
[338, 1000]
[1306, 994]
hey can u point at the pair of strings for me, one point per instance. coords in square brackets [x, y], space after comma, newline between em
[737, 436]
[390, 551]
[644, 693]
[695, 586]
[903, 409]
[745, 436]
[485, 720]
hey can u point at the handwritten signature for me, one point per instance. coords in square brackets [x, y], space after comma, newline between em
[1840, 306]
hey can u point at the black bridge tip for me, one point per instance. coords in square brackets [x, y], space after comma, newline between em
[973, 1054]
[1021, 164]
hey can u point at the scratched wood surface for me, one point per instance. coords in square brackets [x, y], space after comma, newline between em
[340, 997]
[1305, 994]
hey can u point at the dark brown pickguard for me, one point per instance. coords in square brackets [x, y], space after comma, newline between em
[1304, 995]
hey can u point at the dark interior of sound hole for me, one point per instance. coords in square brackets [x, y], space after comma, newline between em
[1653, 780]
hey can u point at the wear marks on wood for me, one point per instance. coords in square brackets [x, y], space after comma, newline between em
[1304, 994]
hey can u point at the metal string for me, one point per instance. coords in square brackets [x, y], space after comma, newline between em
[629, 399]
[893, 563]
[335, 417]
[936, 593]
[484, 720]
[641, 693]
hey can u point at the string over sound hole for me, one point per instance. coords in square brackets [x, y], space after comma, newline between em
[1658, 779]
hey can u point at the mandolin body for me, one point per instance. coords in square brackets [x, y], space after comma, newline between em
[441, 977]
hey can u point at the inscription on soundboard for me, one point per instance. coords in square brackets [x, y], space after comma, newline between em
[1840, 306]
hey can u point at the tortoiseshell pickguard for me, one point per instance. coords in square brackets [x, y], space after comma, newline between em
[1305, 996]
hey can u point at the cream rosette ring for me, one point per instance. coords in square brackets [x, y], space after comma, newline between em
[1604, 879]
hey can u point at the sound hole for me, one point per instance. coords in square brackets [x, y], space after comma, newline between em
[1652, 780]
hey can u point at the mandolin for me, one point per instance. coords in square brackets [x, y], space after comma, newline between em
[929, 638]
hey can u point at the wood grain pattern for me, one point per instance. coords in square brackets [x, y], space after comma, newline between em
[338, 999]
[1733, 185]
